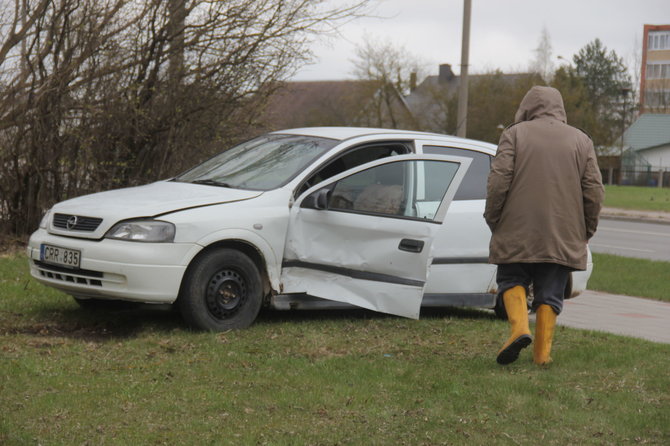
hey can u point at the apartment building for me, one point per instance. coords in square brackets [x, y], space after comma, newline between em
[655, 79]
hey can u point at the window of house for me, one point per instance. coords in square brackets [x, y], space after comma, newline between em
[473, 186]
[657, 98]
[658, 40]
[658, 71]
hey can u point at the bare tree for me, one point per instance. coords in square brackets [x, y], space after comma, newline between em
[542, 63]
[104, 93]
[394, 72]
[634, 62]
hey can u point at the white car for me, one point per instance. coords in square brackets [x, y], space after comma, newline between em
[295, 219]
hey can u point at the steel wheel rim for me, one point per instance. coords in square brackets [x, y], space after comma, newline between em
[226, 293]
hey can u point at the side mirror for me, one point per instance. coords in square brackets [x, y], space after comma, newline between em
[317, 200]
[321, 199]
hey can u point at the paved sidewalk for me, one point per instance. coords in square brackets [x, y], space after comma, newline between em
[624, 315]
[629, 316]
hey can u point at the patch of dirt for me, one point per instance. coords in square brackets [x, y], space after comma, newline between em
[10, 246]
[93, 328]
[96, 332]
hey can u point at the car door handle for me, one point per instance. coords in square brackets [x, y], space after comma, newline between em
[411, 245]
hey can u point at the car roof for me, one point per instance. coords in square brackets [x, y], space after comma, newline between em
[344, 133]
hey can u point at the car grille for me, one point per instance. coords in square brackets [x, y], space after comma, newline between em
[76, 222]
[79, 276]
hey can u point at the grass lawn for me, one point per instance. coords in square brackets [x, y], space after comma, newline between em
[630, 276]
[638, 198]
[70, 377]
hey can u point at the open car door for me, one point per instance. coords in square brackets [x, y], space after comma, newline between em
[365, 236]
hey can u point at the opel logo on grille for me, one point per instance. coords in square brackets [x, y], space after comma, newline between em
[71, 222]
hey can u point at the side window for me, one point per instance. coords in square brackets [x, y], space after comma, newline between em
[473, 186]
[355, 157]
[380, 190]
[409, 188]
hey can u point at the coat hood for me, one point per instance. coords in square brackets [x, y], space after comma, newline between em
[541, 102]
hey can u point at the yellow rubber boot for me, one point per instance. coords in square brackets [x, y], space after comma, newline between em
[544, 334]
[517, 314]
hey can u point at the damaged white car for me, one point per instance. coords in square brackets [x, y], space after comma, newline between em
[309, 218]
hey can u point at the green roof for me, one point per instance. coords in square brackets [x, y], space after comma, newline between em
[650, 130]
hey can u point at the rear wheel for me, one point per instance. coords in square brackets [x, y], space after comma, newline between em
[222, 290]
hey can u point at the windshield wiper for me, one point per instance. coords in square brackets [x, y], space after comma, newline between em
[210, 182]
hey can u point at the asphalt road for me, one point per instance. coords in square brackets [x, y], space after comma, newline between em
[632, 239]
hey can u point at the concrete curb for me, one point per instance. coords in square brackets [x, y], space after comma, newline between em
[659, 217]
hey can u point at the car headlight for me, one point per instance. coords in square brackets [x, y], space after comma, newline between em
[45, 220]
[153, 231]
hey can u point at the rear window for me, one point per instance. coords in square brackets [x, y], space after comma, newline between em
[473, 186]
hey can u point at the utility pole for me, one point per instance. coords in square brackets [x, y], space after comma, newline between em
[462, 119]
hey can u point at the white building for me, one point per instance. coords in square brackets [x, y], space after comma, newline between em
[648, 147]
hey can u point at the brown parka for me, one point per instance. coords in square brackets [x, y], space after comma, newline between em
[544, 191]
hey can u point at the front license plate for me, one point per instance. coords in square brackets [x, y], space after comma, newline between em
[60, 256]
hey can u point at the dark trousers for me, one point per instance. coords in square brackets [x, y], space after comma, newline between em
[548, 279]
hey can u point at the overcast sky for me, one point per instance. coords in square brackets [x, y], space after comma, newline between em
[504, 33]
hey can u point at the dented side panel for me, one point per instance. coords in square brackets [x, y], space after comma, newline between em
[402, 300]
[355, 259]
[364, 259]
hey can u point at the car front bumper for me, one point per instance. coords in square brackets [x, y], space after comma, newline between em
[580, 280]
[114, 269]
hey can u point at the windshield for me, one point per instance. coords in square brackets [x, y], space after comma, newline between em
[264, 163]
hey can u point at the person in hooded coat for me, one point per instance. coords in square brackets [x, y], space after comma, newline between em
[544, 195]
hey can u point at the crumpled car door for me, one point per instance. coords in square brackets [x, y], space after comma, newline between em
[364, 237]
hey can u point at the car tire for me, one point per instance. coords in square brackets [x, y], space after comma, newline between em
[222, 291]
[106, 304]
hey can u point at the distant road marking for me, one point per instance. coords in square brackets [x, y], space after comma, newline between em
[629, 231]
[598, 245]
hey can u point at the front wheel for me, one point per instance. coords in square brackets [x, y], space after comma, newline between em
[222, 291]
